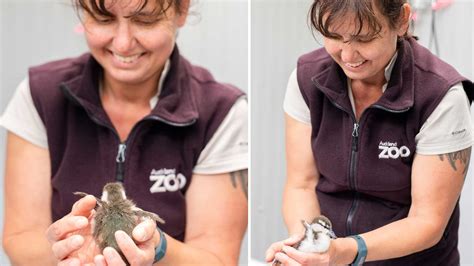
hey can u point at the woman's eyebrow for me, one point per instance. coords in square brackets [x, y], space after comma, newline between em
[142, 14]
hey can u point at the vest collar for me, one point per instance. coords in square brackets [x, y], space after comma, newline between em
[399, 95]
[176, 105]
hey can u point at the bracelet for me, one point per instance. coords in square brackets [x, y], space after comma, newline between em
[361, 251]
[160, 250]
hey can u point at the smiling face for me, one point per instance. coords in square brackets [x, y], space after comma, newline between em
[362, 55]
[132, 43]
[361, 35]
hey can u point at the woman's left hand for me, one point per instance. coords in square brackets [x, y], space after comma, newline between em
[289, 256]
[139, 251]
[341, 252]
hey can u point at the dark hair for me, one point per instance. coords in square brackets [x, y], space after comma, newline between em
[324, 13]
[97, 7]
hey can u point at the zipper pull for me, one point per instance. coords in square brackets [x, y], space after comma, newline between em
[120, 159]
[355, 137]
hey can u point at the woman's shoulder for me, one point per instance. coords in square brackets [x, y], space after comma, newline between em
[204, 81]
[430, 65]
[57, 67]
[45, 80]
[318, 56]
[316, 62]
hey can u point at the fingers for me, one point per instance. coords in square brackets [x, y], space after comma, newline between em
[272, 250]
[139, 255]
[62, 249]
[99, 260]
[127, 246]
[144, 231]
[296, 254]
[306, 258]
[277, 246]
[286, 260]
[59, 229]
[293, 239]
[84, 206]
[112, 257]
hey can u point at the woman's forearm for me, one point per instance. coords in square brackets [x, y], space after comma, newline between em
[299, 203]
[402, 238]
[179, 253]
[28, 248]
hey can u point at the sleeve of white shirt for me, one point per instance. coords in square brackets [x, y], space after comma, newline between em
[227, 150]
[294, 104]
[449, 127]
[22, 119]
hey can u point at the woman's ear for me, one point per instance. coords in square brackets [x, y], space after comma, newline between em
[405, 15]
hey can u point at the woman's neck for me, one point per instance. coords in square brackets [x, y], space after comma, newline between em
[127, 93]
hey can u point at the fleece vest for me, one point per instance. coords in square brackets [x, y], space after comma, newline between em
[155, 162]
[365, 166]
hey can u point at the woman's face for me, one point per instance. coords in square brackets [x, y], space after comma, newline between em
[361, 56]
[132, 50]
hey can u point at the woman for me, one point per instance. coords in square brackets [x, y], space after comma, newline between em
[380, 129]
[135, 111]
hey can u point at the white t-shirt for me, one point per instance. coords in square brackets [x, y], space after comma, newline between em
[225, 152]
[439, 134]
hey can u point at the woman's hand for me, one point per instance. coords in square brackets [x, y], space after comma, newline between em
[342, 251]
[139, 251]
[277, 247]
[71, 237]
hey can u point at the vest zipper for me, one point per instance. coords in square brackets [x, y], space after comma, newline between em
[352, 169]
[352, 181]
[350, 215]
[120, 159]
[354, 153]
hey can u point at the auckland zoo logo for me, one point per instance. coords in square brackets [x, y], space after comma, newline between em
[390, 150]
[166, 180]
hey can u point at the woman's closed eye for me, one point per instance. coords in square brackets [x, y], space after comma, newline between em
[104, 19]
[145, 21]
[365, 39]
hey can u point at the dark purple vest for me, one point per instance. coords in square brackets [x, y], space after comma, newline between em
[366, 166]
[159, 154]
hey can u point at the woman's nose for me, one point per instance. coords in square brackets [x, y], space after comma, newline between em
[124, 39]
[348, 53]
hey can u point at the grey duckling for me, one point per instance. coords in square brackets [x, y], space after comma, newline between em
[115, 212]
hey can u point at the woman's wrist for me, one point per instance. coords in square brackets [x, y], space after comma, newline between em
[346, 249]
[161, 247]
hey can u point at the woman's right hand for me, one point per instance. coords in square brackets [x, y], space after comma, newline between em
[71, 237]
[278, 246]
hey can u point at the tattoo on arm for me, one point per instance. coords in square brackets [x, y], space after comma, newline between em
[242, 177]
[463, 157]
